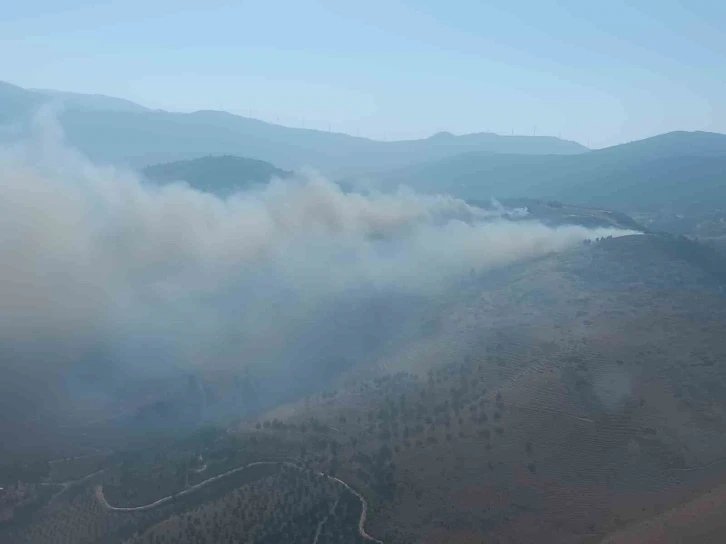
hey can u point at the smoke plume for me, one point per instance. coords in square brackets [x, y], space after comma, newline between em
[104, 273]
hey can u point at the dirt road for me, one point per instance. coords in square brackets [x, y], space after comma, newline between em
[98, 492]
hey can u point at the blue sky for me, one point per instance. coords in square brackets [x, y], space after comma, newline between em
[596, 72]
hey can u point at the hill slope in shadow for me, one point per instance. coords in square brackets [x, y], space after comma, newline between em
[220, 175]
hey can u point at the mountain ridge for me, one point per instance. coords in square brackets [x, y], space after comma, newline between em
[143, 137]
[687, 168]
[93, 101]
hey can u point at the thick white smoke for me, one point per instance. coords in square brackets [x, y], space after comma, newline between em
[92, 259]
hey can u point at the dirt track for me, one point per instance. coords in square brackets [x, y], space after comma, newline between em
[98, 492]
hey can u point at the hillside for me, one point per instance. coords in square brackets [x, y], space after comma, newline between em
[560, 400]
[219, 175]
[679, 171]
[16, 103]
[111, 130]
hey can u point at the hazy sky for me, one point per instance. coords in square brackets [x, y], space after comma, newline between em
[596, 72]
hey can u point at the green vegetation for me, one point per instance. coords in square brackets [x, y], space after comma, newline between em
[221, 175]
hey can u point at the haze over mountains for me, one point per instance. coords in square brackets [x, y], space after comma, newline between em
[679, 171]
[139, 137]
[675, 173]
[447, 340]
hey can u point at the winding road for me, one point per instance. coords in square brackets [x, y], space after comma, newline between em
[98, 492]
[363, 512]
[102, 499]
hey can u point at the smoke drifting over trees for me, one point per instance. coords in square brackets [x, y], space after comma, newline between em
[100, 268]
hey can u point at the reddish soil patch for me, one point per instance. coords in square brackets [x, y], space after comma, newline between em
[701, 520]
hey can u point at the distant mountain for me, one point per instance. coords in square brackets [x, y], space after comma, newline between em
[219, 175]
[119, 132]
[92, 102]
[16, 103]
[680, 142]
[678, 170]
